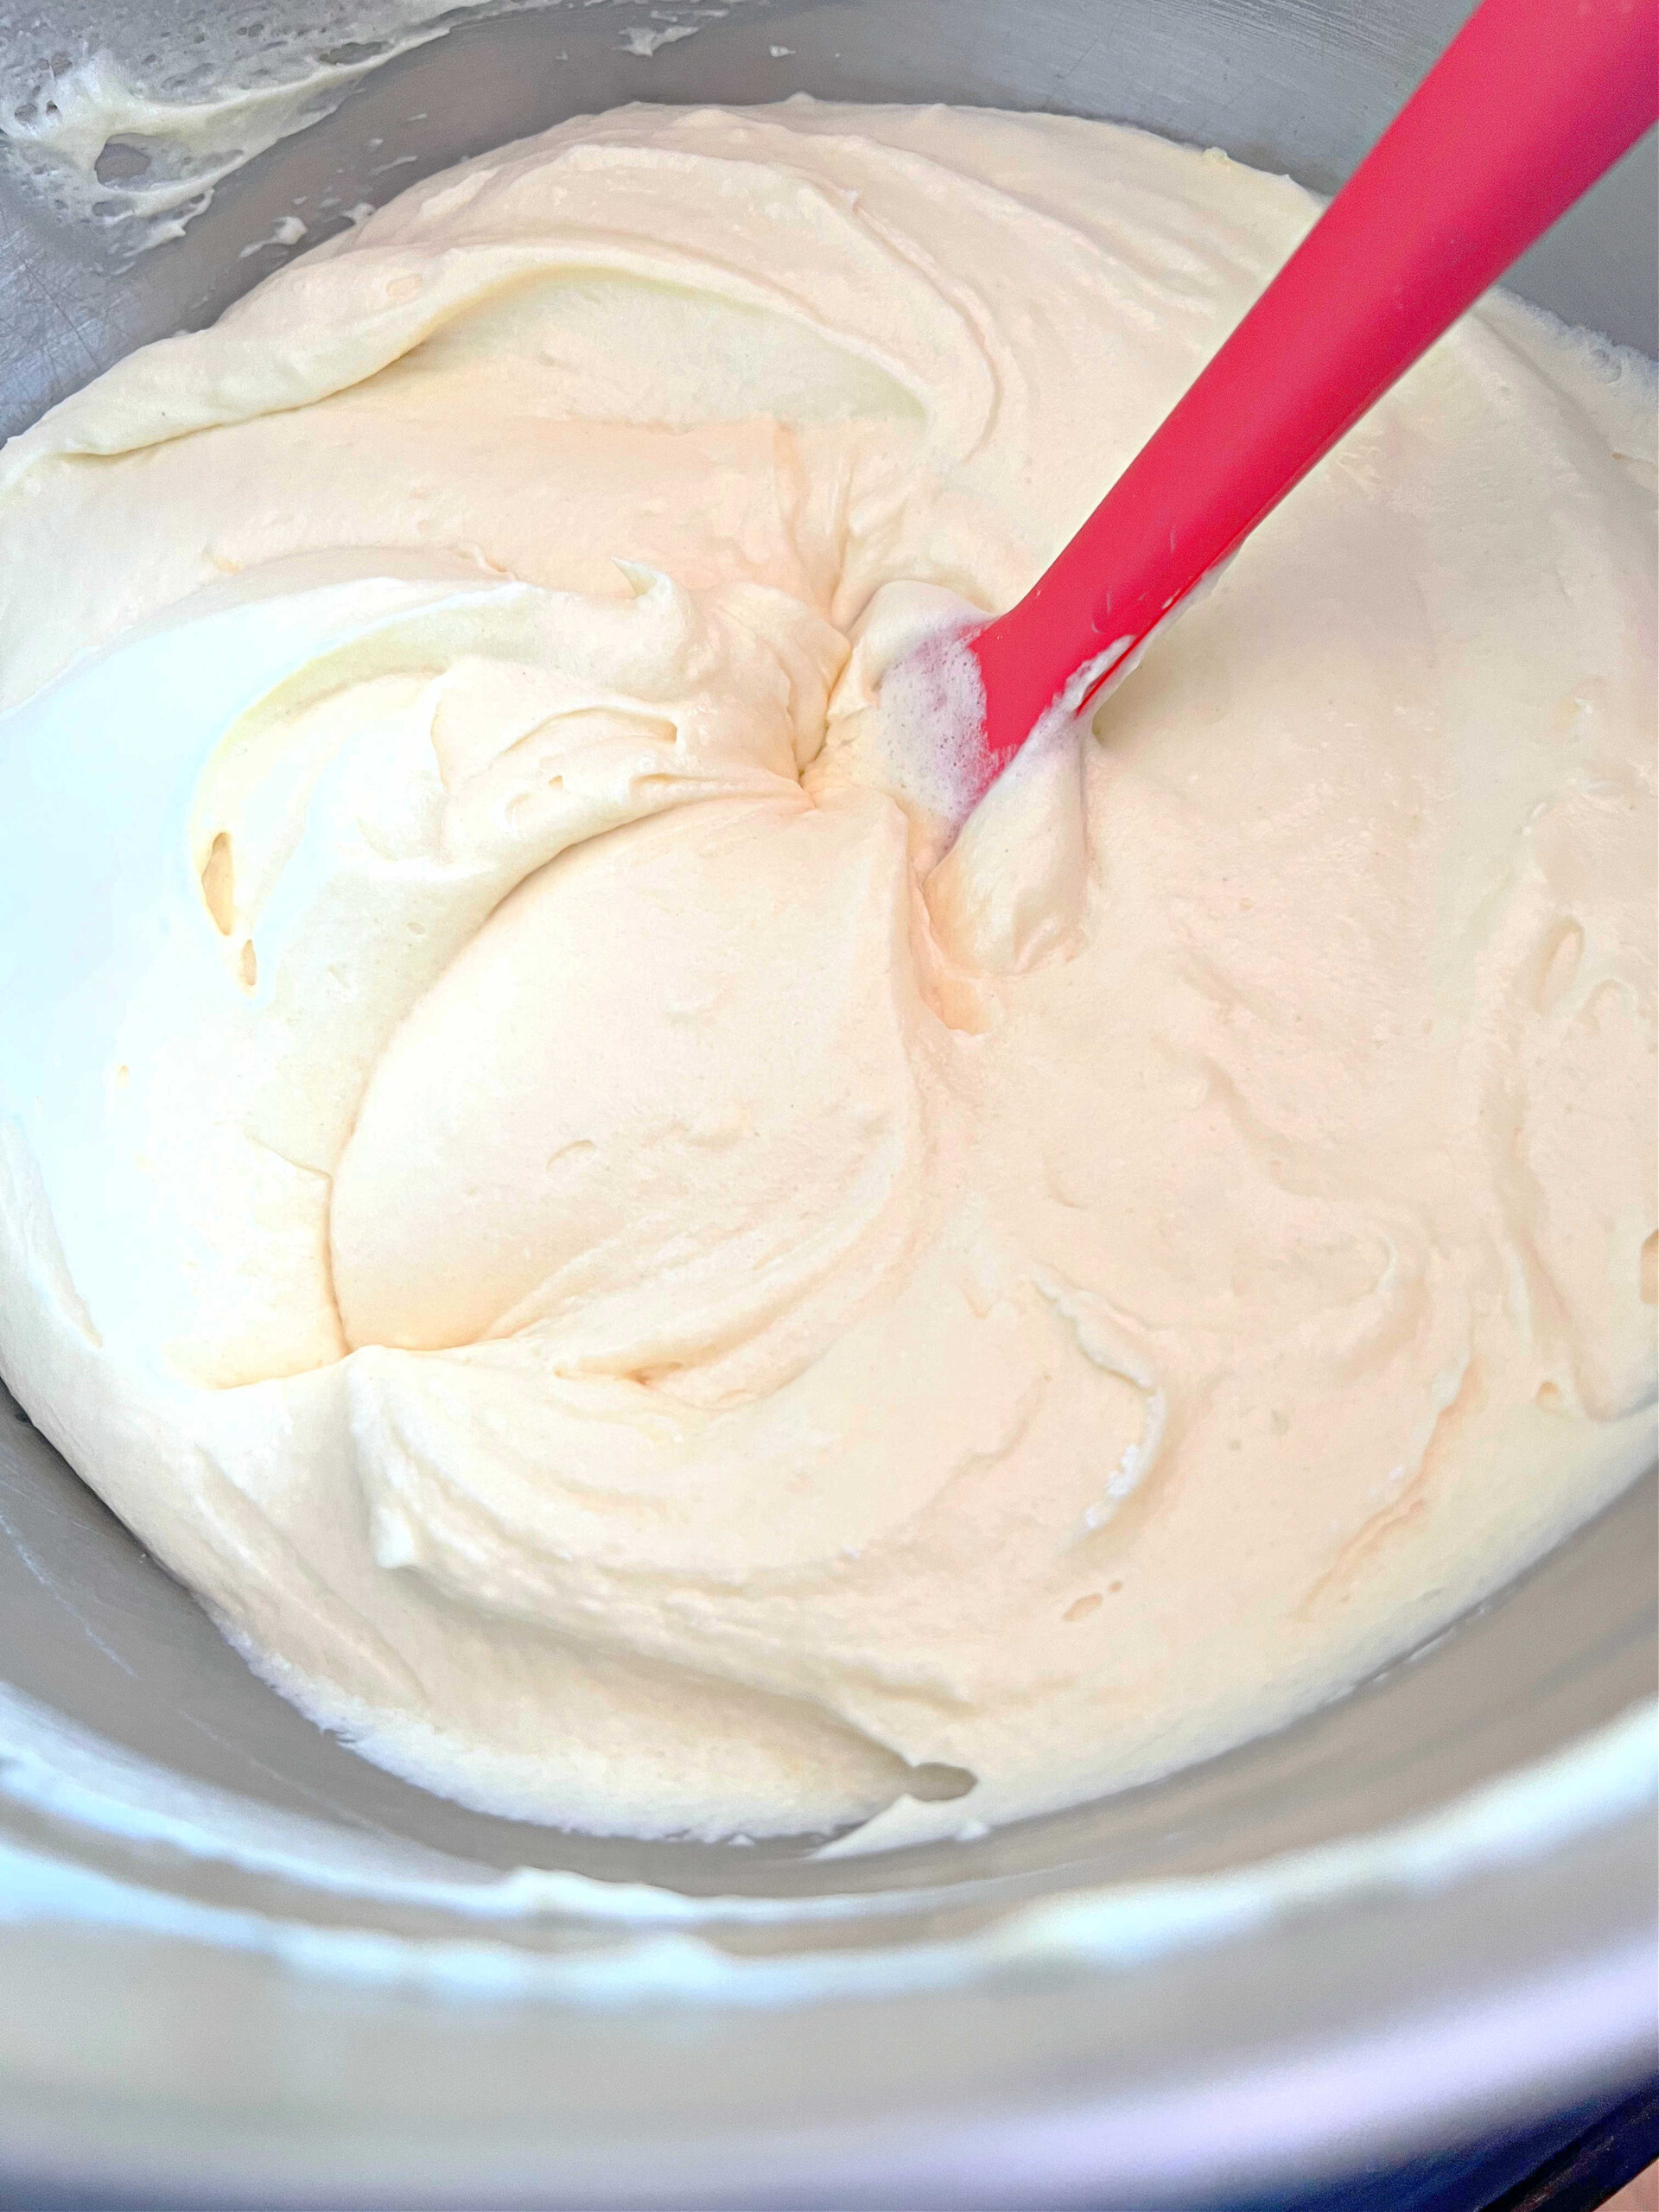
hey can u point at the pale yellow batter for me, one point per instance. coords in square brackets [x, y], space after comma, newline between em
[626, 1286]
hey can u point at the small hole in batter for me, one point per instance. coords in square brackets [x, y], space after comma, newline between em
[218, 883]
[1647, 1266]
[1549, 1396]
[248, 965]
[120, 161]
[1080, 1608]
[935, 1784]
[1562, 955]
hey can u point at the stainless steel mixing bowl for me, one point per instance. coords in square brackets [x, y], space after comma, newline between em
[238, 1964]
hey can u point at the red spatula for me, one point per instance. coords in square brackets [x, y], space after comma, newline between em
[1531, 102]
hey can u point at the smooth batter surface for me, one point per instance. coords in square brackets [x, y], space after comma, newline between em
[629, 1291]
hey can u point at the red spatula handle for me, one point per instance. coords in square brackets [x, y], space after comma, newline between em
[1531, 102]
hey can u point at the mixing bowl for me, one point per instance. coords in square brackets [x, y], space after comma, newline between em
[241, 1965]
